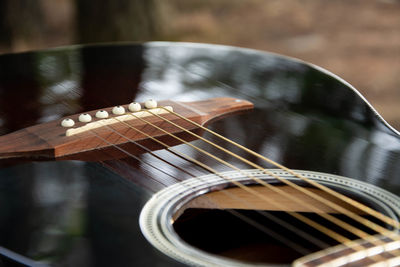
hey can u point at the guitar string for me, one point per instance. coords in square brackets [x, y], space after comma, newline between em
[362, 207]
[386, 248]
[353, 256]
[117, 146]
[237, 169]
[300, 249]
[354, 216]
[246, 188]
[287, 170]
[358, 218]
[306, 236]
[344, 198]
[373, 257]
[319, 243]
[319, 227]
[389, 262]
[297, 231]
[344, 225]
[364, 236]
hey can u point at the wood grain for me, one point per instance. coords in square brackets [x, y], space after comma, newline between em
[48, 141]
[237, 198]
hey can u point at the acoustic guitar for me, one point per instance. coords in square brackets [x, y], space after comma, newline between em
[175, 154]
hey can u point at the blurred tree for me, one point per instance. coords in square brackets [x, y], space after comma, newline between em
[123, 20]
[21, 23]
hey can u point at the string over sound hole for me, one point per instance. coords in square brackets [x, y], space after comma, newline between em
[211, 228]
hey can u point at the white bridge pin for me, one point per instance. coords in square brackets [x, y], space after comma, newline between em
[118, 110]
[101, 114]
[67, 123]
[134, 106]
[85, 117]
[150, 103]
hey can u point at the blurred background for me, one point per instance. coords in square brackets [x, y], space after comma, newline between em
[358, 40]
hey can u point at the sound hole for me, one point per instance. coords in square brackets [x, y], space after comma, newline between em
[224, 232]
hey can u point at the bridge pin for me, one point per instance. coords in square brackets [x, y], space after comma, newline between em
[134, 106]
[118, 110]
[101, 114]
[67, 123]
[85, 117]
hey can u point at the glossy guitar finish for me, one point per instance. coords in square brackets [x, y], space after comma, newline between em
[84, 213]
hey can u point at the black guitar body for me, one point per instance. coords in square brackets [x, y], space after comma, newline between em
[72, 213]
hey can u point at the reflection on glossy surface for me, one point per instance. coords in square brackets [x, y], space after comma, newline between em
[80, 213]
